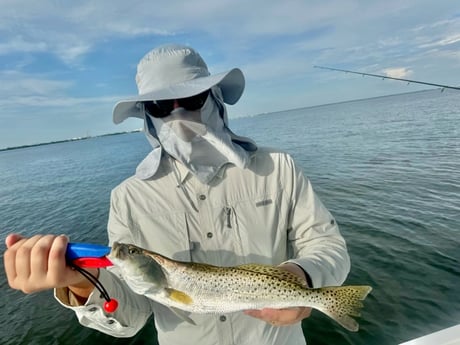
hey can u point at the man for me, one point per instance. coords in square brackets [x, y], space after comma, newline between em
[203, 194]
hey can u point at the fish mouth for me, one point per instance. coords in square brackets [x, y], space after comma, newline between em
[118, 251]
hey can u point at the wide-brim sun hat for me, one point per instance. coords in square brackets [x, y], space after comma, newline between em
[173, 72]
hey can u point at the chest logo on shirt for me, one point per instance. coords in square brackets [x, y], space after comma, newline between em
[264, 202]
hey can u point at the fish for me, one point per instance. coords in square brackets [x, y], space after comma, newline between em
[189, 287]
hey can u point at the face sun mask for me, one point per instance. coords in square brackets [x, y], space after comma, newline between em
[199, 139]
[184, 124]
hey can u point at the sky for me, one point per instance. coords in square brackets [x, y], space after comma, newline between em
[64, 64]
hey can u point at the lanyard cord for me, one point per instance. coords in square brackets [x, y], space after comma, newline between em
[111, 304]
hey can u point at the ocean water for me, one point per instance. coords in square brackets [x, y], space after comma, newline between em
[388, 169]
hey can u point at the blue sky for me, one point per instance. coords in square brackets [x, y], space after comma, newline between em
[64, 64]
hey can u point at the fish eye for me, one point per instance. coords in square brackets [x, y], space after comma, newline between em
[133, 250]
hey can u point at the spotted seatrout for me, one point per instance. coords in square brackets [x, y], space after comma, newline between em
[202, 288]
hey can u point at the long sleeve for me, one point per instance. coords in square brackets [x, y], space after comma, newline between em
[314, 236]
[133, 310]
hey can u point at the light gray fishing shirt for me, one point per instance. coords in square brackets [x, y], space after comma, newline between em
[266, 214]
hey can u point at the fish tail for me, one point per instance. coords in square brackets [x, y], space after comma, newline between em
[342, 302]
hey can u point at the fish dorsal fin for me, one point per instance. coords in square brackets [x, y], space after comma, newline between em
[179, 296]
[274, 271]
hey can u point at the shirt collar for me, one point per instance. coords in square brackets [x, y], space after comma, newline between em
[183, 173]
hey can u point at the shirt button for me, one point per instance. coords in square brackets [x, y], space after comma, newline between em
[202, 197]
[209, 234]
[223, 318]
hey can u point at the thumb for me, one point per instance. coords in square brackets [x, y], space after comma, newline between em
[11, 239]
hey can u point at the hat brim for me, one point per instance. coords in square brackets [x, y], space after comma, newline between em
[231, 83]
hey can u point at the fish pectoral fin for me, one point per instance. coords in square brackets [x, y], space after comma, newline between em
[182, 298]
[182, 315]
[179, 296]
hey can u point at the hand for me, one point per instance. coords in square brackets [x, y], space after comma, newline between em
[283, 317]
[38, 263]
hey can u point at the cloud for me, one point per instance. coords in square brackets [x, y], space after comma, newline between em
[437, 24]
[14, 83]
[79, 57]
[19, 44]
[236, 27]
[71, 31]
[397, 72]
[70, 53]
[61, 102]
[40, 93]
[444, 41]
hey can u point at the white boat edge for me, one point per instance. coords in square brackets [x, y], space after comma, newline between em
[447, 336]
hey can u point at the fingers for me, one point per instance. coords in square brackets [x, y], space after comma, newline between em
[56, 260]
[281, 317]
[40, 256]
[37, 263]
[12, 239]
[17, 261]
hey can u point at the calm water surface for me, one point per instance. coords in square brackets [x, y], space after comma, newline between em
[388, 168]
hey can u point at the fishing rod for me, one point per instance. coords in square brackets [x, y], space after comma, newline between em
[386, 77]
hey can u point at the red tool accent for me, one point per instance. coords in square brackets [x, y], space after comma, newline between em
[111, 305]
[92, 262]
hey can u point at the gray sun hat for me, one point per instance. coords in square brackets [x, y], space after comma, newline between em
[172, 72]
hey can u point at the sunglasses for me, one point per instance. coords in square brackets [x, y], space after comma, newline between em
[164, 107]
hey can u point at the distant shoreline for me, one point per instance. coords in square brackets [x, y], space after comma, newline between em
[66, 140]
[237, 118]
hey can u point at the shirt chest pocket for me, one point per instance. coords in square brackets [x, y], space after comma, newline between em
[261, 227]
[165, 233]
